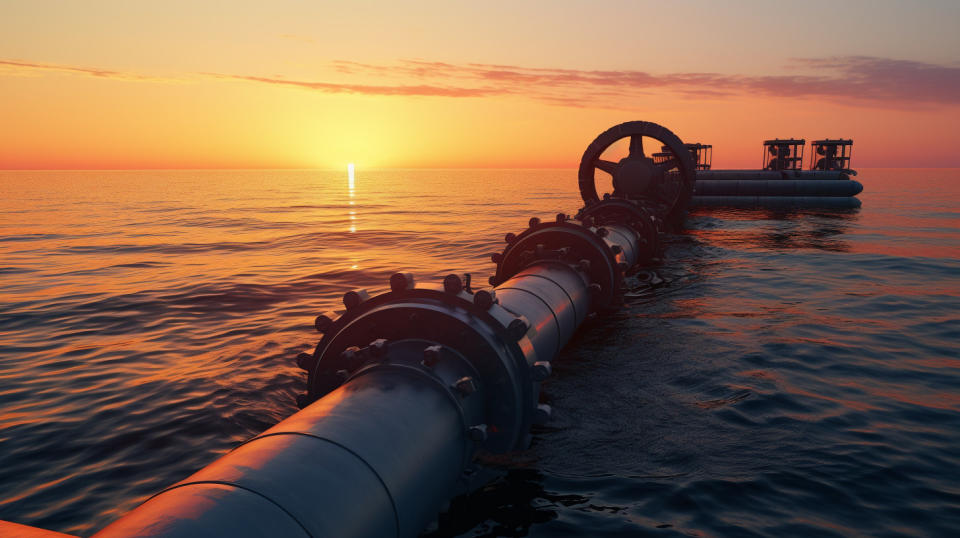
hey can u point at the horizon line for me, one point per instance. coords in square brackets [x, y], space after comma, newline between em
[399, 168]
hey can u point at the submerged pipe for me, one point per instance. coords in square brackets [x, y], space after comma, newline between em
[376, 457]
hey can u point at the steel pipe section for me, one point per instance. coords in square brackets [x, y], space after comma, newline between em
[378, 456]
[554, 298]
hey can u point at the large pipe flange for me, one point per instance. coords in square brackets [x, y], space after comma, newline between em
[641, 218]
[492, 339]
[566, 241]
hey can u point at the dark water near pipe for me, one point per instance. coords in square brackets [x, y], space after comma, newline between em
[796, 373]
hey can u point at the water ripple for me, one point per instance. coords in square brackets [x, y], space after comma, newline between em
[777, 373]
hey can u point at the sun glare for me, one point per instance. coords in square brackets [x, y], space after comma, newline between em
[350, 192]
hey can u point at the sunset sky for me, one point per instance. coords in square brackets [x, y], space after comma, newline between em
[309, 84]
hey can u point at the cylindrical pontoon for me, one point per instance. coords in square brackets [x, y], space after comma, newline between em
[778, 187]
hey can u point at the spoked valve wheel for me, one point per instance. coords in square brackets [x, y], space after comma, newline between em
[667, 180]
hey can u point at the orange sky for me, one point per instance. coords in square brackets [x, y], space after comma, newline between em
[302, 85]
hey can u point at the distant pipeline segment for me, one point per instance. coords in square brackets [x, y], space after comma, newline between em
[781, 192]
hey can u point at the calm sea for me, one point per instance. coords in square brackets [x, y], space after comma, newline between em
[796, 373]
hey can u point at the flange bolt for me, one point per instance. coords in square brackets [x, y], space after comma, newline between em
[355, 298]
[584, 265]
[378, 348]
[305, 361]
[510, 237]
[496, 257]
[517, 328]
[484, 299]
[452, 284]
[478, 433]
[534, 221]
[561, 217]
[541, 370]
[465, 386]
[431, 356]
[323, 322]
[541, 415]
[401, 282]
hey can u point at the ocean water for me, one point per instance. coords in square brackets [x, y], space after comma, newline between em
[797, 372]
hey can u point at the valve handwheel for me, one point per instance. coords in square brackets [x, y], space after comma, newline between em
[637, 176]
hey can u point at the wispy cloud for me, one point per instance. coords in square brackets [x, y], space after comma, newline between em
[368, 89]
[17, 67]
[861, 80]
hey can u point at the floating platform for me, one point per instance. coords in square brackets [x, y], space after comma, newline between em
[781, 181]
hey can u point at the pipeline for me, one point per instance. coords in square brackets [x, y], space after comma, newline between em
[774, 175]
[407, 387]
[822, 193]
[777, 188]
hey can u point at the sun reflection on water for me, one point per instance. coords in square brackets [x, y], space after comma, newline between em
[350, 191]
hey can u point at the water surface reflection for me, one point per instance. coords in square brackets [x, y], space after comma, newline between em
[777, 374]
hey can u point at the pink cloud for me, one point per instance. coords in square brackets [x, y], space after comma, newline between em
[851, 79]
